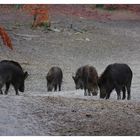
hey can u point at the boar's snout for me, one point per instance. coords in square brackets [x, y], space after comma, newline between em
[21, 89]
[49, 87]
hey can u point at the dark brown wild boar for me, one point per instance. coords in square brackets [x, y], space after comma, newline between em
[86, 78]
[54, 79]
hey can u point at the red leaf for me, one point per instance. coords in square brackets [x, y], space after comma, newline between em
[5, 37]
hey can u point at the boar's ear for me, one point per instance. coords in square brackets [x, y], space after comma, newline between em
[26, 75]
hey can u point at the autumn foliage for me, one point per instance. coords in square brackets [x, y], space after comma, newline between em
[39, 12]
[5, 38]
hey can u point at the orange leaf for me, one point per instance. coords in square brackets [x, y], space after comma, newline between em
[5, 37]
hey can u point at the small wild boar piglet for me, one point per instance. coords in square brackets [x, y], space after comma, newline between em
[116, 76]
[54, 79]
[86, 78]
[11, 73]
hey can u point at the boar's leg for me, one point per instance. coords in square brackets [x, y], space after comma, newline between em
[108, 95]
[89, 94]
[7, 88]
[124, 93]
[118, 89]
[118, 93]
[55, 87]
[86, 87]
[16, 89]
[1, 85]
[59, 87]
[129, 95]
[128, 92]
[85, 91]
[1, 92]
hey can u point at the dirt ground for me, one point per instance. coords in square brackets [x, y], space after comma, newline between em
[37, 115]
[107, 38]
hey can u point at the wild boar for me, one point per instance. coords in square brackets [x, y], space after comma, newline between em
[86, 78]
[116, 76]
[12, 74]
[54, 79]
